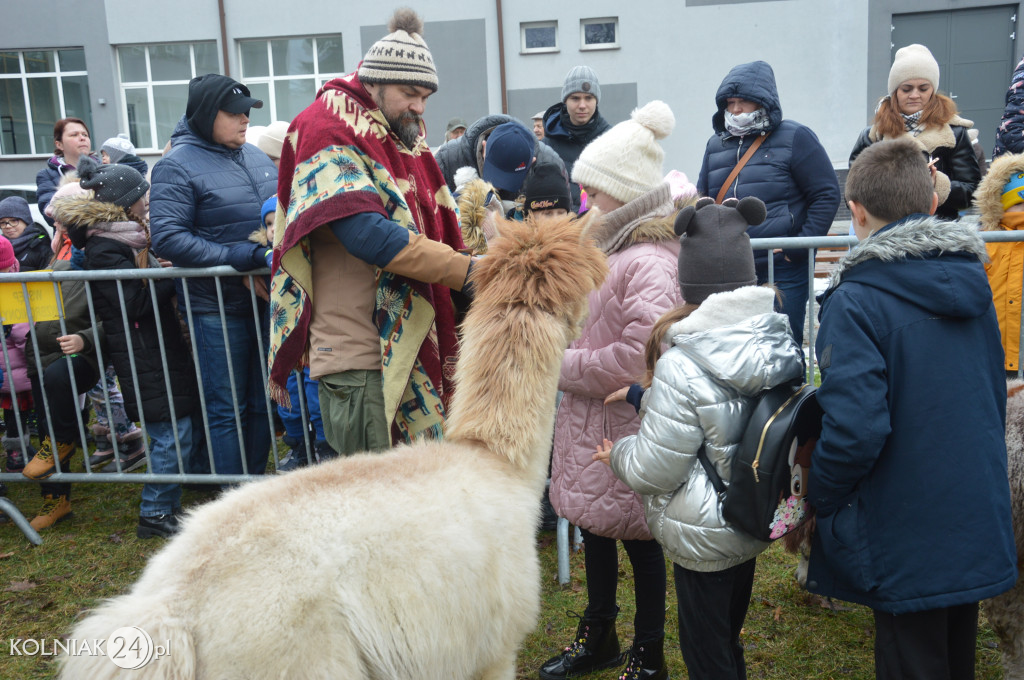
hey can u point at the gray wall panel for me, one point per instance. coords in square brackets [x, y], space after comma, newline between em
[617, 101]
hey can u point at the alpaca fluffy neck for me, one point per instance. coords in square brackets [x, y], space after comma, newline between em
[506, 383]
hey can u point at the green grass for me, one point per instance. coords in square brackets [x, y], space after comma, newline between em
[788, 634]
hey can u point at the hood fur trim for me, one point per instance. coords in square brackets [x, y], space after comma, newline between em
[85, 211]
[472, 213]
[647, 219]
[988, 197]
[912, 238]
[932, 137]
[726, 309]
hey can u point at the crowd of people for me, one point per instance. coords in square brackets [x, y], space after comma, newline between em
[681, 337]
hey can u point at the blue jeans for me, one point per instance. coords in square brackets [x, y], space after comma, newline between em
[792, 280]
[294, 423]
[245, 359]
[164, 499]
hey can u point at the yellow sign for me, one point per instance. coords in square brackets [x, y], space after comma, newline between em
[46, 305]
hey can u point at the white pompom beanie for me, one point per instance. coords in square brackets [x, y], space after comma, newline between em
[912, 62]
[625, 162]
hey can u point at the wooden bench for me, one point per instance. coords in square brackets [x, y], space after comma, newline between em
[826, 259]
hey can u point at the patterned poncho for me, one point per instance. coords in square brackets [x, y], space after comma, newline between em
[339, 159]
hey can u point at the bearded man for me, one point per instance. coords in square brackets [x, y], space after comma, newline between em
[366, 252]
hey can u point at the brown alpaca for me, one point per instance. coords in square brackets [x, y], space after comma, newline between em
[413, 564]
[1005, 612]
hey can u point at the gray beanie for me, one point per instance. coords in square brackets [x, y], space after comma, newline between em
[16, 207]
[121, 185]
[581, 79]
[715, 254]
[118, 147]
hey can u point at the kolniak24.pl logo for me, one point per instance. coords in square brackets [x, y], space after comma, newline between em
[129, 648]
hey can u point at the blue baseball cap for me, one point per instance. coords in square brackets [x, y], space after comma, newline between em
[508, 156]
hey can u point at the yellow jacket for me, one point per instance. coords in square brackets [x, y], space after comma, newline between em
[1006, 276]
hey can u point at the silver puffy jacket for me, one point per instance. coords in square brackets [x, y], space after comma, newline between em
[726, 352]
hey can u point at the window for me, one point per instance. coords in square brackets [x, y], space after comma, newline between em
[154, 87]
[38, 88]
[287, 72]
[599, 34]
[539, 36]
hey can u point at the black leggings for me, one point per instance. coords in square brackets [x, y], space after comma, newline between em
[601, 559]
[63, 402]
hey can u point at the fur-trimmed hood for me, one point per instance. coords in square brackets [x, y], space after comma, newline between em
[933, 136]
[920, 255]
[647, 219]
[85, 211]
[988, 197]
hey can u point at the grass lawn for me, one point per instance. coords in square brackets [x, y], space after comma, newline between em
[789, 633]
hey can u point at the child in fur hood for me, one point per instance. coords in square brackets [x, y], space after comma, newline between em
[914, 396]
[112, 228]
[1000, 201]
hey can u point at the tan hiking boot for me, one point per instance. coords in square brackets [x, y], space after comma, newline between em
[55, 509]
[42, 464]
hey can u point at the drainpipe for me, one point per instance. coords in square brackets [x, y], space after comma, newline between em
[224, 38]
[501, 58]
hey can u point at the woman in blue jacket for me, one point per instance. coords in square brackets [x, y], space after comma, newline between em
[790, 172]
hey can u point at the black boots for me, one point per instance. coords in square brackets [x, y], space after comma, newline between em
[646, 661]
[595, 646]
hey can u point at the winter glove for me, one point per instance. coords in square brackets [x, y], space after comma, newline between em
[245, 257]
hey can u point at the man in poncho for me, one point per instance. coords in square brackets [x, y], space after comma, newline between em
[366, 252]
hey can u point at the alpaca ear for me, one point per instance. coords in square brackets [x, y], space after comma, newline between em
[752, 209]
[684, 218]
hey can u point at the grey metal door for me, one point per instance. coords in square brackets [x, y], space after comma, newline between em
[975, 51]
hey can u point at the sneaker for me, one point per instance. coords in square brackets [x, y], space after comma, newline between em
[55, 509]
[19, 451]
[295, 459]
[130, 460]
[161, 526]
[324, 452]
[42, 464]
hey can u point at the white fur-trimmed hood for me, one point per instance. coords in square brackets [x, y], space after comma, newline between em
[725, 309]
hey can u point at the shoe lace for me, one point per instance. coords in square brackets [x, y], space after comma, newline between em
[45, 451]
[634, 665]
[579, 644]
[49, 505]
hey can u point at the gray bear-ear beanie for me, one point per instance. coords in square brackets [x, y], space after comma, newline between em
[714, 250]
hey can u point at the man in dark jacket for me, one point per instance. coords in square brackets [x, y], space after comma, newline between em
[791, 173]
[905, 457]
[575, 121]
[205, 202]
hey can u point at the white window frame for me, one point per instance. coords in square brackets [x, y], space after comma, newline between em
[598, 46]
[318, 76]
[148, 85]
[523, 26]
[24, 76]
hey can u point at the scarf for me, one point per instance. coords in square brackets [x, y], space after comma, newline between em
[132, 234]
[613, 230]
[343, 159]
[743, 124]
[913, 123]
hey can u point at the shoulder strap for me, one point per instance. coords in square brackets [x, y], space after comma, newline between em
[739, 166]
[710, 471]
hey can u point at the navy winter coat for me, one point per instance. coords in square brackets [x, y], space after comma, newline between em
[205, 198]
[568, 140]
[909, 477]
[791, 172]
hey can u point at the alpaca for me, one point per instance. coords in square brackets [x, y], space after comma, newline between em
[418, 563]
[1005, 612]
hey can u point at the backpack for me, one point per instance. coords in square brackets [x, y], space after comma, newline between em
[766, 494]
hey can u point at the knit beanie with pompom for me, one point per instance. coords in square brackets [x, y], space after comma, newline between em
[625, 162]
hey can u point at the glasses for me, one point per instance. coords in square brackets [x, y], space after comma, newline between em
[8, 223]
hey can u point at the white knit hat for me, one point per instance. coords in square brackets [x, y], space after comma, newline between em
[272, 140]
[912, 62]
[625, 162]
[401, 56]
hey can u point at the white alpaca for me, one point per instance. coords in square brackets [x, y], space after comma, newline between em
[417, 563]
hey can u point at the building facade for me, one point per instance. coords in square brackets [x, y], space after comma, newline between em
[124, 66]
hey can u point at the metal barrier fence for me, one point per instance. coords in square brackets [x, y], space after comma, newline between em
[217, 274]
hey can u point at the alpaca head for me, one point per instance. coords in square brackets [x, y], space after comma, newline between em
[550, 267]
